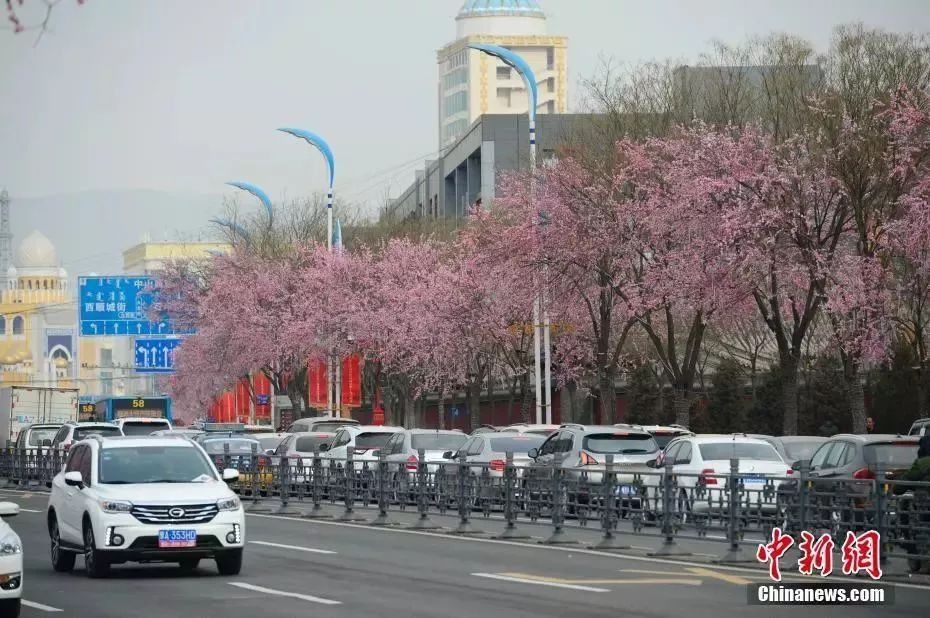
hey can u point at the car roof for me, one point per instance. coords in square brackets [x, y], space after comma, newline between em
[319, 434]
[705, 438]
[326, 419]
[136, 441]
[383, 428]
[457, 432]
[144, 419]
[604, 428]
[506, 434]
[93, 424]
[872, 438]
[43, 425]
[790, 439]
[270, 434]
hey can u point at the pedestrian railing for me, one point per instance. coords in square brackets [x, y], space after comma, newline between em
[614, 498]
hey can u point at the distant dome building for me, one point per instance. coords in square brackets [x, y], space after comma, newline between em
[472, 84]
[37, 265]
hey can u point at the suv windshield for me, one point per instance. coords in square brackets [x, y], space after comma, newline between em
[798, 450]
[36, 436]
[895, 455]
[144, 428]
[438, 442]
[82, 432]
[722, 451]
[311, 444]
[154, 464]
[521, 444]
[620, 443]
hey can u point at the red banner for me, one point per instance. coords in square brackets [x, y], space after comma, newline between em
[318, 383]
[243, 398]
[352, 380]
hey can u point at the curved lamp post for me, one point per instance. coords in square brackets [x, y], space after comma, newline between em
[521, 66]
[320, 144]
[257, 192]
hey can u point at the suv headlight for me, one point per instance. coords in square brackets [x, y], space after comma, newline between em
[228, 504]
[115, 506]
[10, 544]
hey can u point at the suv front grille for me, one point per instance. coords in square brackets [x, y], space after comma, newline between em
[151, 542]
[167, 514]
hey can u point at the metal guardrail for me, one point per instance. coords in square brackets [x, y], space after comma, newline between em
[613, 498]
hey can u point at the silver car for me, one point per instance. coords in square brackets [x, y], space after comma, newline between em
[488, 451]
[402, 456]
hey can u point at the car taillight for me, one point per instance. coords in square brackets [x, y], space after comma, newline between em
[864, 474]
[587, 460]
[66, 446]
[263, 461]
[497, 465]
[359, 450]
[790, 471]
[705, 479]
[412, 463]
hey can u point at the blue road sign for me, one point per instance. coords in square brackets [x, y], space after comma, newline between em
[263, 400]
[155, 355]
[455, 411]
[118, 306]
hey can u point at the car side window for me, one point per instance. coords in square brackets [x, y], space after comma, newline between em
[396, 444]
[683, 456]
[836, 455]
[817, 461]
[60, 436]
[475, 446]
[74, 460]
[85, 468]
[283, 445]
[671, 452]
[551, 445]
[341, 439]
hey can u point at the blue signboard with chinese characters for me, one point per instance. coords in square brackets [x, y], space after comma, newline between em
[155, 355]
[118, 306]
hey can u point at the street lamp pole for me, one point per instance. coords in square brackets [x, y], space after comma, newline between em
[320, 144]
[541, 324]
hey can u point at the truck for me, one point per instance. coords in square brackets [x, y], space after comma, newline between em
[112, 409]
[21, 406]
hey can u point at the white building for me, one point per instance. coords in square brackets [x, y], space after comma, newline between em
[472, 83]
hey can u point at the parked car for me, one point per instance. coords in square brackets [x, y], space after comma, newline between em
[177, 433]
[320, 423]
[921, 427]
[236, 451]
[142, 426]
[402, 457]
[700, 464]
[365, 442]
[72, 432]
[580, 451]
[299, 449]
[269, 441]
[663, 434]
[488, 451]
[11, 562]
[34, 436]
[484, 429]
[793, 448]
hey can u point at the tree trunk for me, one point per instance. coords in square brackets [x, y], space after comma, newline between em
[442, 412]
[789, 394]
[682, 405]
[513, 396]
[855, 393]
[921, 391]
[569, 403]
[658, 416]
[526, 398]
[474, 405]
[607, 388]
[419, 412]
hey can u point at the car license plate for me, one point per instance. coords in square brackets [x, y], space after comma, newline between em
[624, 490]
[168, 539]
[754, 479]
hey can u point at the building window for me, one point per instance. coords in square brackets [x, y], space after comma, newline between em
[19, 325]
[550, 58]
[550, 107]
[454, 79]
[550, 84]
[455, 103]
[503, 72]
[503, 97]
[2, 325]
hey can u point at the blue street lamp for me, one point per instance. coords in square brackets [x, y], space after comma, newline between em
[261, 195]
[320, 144]
[541, 330]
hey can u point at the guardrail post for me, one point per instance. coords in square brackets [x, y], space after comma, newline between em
[804, 494]
[349, 484]
[316, 488]
[734, 513]
[510, 511]
[422, 479]
[609, 489]
[466, 492]
[285, 467]
[256, 506]
[669, 547]
[881, 510]
[558, 498]
[382, 473]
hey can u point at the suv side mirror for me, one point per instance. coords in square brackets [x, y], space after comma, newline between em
[533, 453]
[797, 465]
[46, 442]
[324, 447]
[230, 475]
[74, 479]
[651, 463]
[448, 455]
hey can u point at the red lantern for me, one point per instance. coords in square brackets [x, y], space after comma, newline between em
[318, 382]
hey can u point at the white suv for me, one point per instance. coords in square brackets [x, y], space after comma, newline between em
[129, 499]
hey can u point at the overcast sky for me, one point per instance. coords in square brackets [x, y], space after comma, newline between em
[182, 95]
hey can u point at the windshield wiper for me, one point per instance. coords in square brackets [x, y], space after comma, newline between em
[167, 481]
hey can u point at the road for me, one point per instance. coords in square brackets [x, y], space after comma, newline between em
[299, 567]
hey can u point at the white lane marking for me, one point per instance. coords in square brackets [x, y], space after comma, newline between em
[536, 582]
[573, 550]
[44, 608]
[30, 510]
[282, 593]
[294, 547]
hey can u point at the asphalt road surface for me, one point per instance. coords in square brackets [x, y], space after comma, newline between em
[296, 567]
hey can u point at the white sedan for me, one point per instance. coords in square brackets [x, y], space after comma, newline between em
[11, 563]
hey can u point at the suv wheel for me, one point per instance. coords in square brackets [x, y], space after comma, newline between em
[229, 562]
[62, 561]
[10, 608]
[94, 562]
